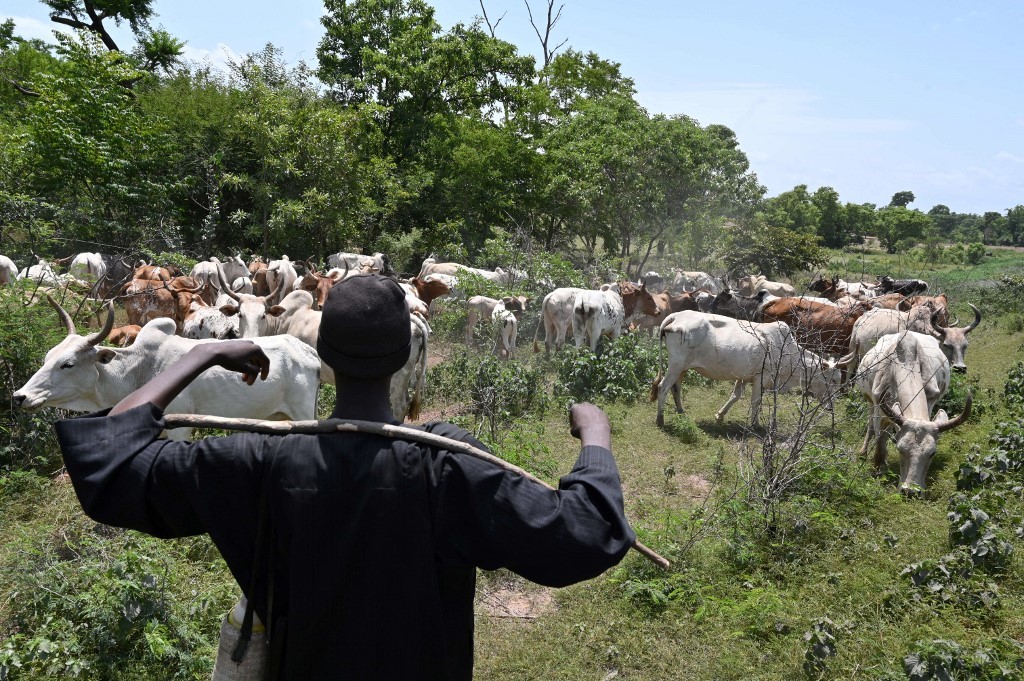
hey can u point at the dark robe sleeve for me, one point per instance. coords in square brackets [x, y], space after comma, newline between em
[492, 518]
[125, 476]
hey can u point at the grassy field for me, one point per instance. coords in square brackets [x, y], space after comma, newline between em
[808, 583]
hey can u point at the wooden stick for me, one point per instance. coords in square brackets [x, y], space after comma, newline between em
[374, 428]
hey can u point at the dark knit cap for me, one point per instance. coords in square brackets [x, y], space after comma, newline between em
[364, 330]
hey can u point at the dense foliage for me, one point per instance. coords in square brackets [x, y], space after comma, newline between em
[407, 137]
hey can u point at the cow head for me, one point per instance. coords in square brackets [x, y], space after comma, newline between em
[953, 340]
[251, 309]
[917, 440]
[633, 298]
[70, 369]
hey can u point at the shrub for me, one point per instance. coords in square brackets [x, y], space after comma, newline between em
[975, 254]
[623, 372]
[939, 659]
[26, 334]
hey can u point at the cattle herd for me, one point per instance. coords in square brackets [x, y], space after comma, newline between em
[889, 339]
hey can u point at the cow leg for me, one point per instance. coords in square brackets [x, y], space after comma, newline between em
[737, 393]
[471, 320]
[669, 382]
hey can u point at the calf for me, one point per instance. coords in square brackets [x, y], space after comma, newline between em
[482, 307]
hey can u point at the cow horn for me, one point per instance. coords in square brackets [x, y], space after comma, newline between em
[940, 331]
[99, 336]
[977, 320]
[65, 318]
[845, 360]
[949, 424]
[888, 411]
[225, 287]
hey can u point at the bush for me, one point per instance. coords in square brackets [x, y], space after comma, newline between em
[938, 659]
[975, 254]
[27, 440]
[623, 372]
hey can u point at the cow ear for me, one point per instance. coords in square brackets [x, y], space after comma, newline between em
[275, 311]
[104, 355]
[507, 299]
[229, 310]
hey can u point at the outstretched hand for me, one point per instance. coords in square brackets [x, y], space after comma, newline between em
[242, 356]
[590, 425]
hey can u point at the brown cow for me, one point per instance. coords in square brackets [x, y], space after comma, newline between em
[317, 285]
[939, 305]
[667, 304]
[817, 326]
[123, 336]
[157, 272]
[145, 300]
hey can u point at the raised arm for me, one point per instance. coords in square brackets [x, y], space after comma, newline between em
[242, 356]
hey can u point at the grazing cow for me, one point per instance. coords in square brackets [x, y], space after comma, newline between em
[482, 307]
[408, 383]
[378, 263]
[448, 280]
[507, 327]
[206, 321]
[691, 281]
[726, 349]
[146, 299]
[734, 305]
[755, 283]
[596, 314]
[123, 336]
[252, 309]
[80, 375]
[40, 273]
[825, 328]
[90, 268]
[556, 317]
[8, 270]
[921, 319]
[904, 287]
[281, 276]
[903, 377]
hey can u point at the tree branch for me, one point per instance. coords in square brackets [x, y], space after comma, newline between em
[23, 90]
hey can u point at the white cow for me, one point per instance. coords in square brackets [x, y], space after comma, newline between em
[556, 317]
[903, 377]
[251, 309]
[81, 375]
[691, 281]
[753, 283]
[726, 349]
[482, 307]
[40, 273]
[596, 314]
[209, 272]
[506, 326]
[879, 322]
[206, 321]
[408, 383]
[353, 263]
[8, 270]
[280, 273]
[88, 267]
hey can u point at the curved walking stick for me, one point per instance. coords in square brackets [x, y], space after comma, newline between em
[374, 428]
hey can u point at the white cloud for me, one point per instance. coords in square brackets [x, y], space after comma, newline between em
[1007, 156]
[219, 58]
[33, 29]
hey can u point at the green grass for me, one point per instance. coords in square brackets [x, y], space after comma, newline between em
[740, 594]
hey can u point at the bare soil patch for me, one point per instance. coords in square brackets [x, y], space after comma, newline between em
[514, 598]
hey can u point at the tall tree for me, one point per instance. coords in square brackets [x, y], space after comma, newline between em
[156, 48]
[831, 217]
[902, 199]
[898, 224]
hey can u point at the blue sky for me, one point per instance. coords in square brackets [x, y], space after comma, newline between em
[869, 98]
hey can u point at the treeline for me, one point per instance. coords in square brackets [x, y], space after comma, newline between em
[406, 138]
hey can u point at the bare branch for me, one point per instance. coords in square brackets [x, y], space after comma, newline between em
[492, 28]
[545, 40]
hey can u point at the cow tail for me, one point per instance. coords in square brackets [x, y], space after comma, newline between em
[657, 379]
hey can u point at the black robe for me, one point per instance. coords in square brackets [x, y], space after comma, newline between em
[375, 542]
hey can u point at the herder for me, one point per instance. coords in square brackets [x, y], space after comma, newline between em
[359, 551]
